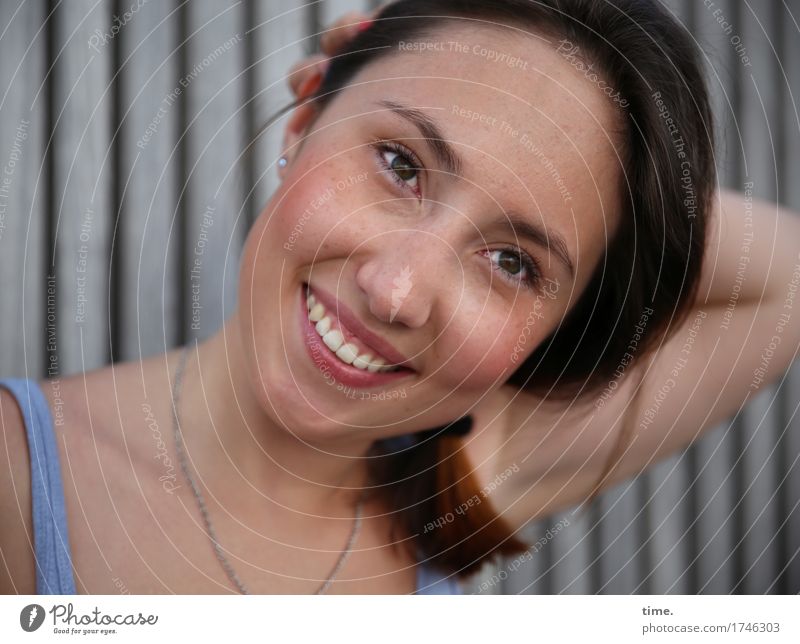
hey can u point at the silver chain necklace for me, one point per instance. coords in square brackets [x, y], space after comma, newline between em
[176, 392]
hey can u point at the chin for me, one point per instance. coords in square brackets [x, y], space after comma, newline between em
[296, 399]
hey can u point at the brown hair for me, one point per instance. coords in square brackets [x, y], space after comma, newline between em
[652, 261]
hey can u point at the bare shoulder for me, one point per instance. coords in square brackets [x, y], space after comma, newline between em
[106, 461]
[97, 413]
[17, 569]
[81, 407]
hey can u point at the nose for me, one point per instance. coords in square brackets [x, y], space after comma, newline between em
[406, 275]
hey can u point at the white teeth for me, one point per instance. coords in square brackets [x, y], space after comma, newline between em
[333, 338]
[316, 313]
[362, 362]
[323, 326]
[347, 353]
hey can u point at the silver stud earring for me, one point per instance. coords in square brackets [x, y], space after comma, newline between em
[282, 162]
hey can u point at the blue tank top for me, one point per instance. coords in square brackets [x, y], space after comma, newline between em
[52, 553]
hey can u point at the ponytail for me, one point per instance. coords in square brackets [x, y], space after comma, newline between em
[440, 511]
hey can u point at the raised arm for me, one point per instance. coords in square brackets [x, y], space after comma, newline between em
[743, 334]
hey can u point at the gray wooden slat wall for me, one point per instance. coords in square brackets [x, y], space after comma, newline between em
[147, 171]
[125, 153]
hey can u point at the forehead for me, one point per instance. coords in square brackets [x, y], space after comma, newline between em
[533, 128]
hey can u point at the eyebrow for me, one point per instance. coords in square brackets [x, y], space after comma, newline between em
[539, 235]
[442, 150]
[453, 163]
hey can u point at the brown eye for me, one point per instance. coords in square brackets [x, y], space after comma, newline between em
[516, 266]
[510, 262]
[402, 165]
[405, 171]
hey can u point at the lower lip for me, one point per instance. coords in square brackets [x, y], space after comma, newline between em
[327, 362]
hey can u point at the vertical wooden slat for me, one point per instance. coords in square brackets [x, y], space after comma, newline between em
[790, 193]
[213, 199]
[716, 499]
[783, 457]
[760, 417]
[741, 174]
[572, 559]
[149, 99]
[82, 179]
[790, 23]
[667, 531]
[23, 188]
[249, 115]
[621, 563]
[760, 506]
[789, 575]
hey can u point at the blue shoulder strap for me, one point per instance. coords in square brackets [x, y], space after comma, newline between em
[431, 582]
[51, 542]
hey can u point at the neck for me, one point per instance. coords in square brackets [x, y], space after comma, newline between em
[235, 445]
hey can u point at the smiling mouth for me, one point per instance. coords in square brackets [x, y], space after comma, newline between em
[345, 345]
[358, 366]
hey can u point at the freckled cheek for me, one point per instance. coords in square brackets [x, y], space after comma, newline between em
[496, 347]
[492, 355]
[319, 211]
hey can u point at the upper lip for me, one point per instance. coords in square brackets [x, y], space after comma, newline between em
[354, 325]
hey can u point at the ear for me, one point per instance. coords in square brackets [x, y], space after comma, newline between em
[298, 124]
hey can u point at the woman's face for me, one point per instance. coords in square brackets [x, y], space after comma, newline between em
[430, 244]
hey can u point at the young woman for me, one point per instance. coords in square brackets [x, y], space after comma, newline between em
[494, 280]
